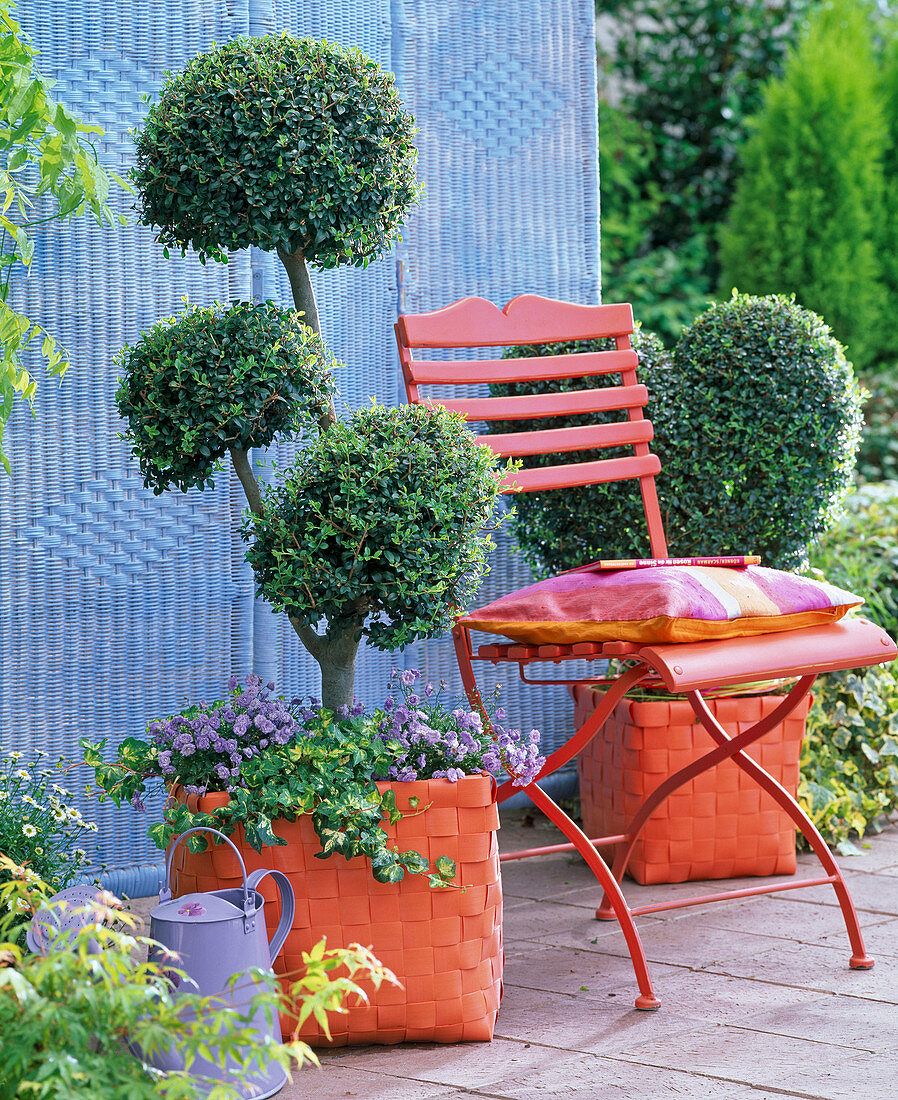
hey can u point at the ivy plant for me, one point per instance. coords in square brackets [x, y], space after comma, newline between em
[49, 171]
[289, 144]
[849, 760]
[216, 381]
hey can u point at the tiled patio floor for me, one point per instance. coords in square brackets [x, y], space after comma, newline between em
[757, 997]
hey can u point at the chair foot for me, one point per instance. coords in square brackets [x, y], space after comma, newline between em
[647, 1003]
[861, 962]
[605, 913]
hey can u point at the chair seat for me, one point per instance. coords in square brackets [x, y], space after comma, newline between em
[687, 666]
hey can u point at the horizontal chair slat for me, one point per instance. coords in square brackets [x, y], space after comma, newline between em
[581, 473]
[468, 372]
[527, 319]
[584, 438]
[531, 407]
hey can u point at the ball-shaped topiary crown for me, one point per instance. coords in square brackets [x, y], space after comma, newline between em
[278, 142]
[215, 378]
[760, 427]
[757, 419]
[381, 516]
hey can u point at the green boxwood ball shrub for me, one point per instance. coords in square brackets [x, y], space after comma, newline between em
[757, 419]
[759, 430]
[214, 378]
[278, 142]
[381, 516]
[562, 528]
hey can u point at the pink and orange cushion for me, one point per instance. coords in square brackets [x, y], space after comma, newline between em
[661, 604]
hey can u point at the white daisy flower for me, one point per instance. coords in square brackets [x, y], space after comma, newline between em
[28, 829]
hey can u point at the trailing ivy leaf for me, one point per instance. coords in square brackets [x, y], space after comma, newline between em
[445, 867]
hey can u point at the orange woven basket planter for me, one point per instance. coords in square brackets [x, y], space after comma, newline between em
[719, 825]
[445, 946]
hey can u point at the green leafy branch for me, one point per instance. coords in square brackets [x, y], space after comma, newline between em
[45, 154]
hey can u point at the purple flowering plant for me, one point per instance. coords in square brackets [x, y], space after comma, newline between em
[433, 740]
[278, 761]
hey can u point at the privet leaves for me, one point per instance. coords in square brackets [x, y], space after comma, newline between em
[218, 377]
[383, 515]
[563, 528]
[278, 142]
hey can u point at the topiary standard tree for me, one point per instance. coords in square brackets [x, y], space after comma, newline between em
[757, 421]
[289, 144]
[305, 148]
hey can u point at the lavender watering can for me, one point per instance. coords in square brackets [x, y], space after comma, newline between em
[215, 936]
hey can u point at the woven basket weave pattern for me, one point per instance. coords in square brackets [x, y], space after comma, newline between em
[445, 946]
[719, 825]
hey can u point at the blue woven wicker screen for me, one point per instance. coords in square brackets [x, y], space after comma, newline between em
[115, 605]
[505, 99]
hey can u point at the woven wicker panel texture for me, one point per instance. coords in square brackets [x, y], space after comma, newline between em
[117, 606]
[718, 825]
[504, 96]
[445, 945]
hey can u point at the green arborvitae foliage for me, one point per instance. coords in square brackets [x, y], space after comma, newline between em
[759, 430]
[382, 515]
[887, 236]
[689, 73]
[279, 142]
[217, 378]
[563, 528]
[808, 208]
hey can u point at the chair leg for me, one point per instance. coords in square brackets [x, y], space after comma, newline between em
[646, 1001]
[859, 960]
[726, 747]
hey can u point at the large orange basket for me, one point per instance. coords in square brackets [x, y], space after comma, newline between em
[444, 945]
[719, 825]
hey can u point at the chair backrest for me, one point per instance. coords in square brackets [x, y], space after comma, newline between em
[529, 319]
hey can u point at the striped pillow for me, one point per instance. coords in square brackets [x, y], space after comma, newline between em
[661, 604]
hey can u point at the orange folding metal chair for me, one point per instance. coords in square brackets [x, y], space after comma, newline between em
[690, 668]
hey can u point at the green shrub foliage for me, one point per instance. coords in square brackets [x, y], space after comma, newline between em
[756, 416]
[877, 459]
[860, 552]
[563, 528]
[278, 142]
[381, 516]
[808, 208]
[666, 286]
[214, 378]
[849, 761]
[760, 426]
[887, 228]
[691, 72]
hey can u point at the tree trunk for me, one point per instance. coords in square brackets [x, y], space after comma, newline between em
[335, 653]
[304, 301]
[301, 286]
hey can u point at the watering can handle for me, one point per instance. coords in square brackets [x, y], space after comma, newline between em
[288, 906]
[165, 891]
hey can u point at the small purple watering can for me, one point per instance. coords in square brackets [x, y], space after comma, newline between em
[215, 936]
